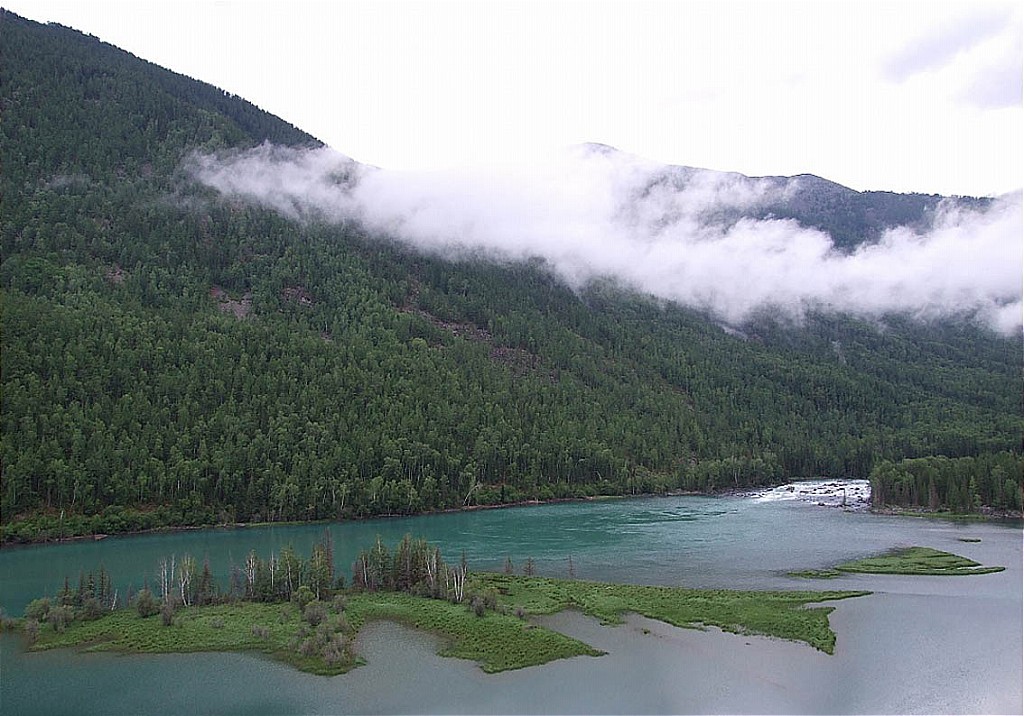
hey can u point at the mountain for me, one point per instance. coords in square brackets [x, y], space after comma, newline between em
[851, 218]
[172, 356]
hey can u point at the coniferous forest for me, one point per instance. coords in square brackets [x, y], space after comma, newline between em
[174, 358]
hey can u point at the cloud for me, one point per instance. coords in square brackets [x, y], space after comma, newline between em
[682, 235]
[976, 56]
[997, 79]
[941, 45]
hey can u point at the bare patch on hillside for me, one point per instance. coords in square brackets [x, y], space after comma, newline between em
[297, 294]
[115, 275]
[239, 308]
[517, 360]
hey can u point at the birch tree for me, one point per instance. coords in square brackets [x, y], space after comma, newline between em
[186, 573]
[251, 562]
[166, 574]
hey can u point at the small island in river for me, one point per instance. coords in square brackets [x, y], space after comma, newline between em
[907, 560]
[294, 610]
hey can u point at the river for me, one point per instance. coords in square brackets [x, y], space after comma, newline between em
[916, 645]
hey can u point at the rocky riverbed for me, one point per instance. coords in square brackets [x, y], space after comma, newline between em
[843, 494]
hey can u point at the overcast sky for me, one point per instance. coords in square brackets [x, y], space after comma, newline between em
[897, 95]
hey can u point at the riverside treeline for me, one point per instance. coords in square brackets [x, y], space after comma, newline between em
[171, 358]
[314, 594]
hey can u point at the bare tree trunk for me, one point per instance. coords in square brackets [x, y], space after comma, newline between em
[431, 566]
[186, 570]
[472, 486]
[250, 574]
[459, 581]
[163, 579]
[167, 578]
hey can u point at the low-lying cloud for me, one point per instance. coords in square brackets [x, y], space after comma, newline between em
[680, 235]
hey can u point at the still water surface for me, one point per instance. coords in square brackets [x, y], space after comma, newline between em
[917, 645]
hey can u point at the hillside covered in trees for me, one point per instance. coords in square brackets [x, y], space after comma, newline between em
[171, 357]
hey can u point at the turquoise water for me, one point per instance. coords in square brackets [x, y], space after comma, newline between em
[917, 645]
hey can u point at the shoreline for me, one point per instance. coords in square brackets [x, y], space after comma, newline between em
[332, 520]
[987, 515]
[499, 637]
[826, 493]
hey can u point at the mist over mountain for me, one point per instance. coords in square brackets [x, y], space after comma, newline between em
[721, 242]
[209, 317]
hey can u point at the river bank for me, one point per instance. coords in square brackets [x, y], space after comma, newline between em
[46, 537]
[918, 644]
[850, 495]
[498, 637]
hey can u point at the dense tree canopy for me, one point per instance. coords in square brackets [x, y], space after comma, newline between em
[962, 485]
[172, 358]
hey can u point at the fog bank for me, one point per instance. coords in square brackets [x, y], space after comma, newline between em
[678, 234]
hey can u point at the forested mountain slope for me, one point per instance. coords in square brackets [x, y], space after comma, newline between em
[171, 357]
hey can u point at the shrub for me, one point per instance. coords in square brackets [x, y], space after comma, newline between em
[31, 630]
[307, 647]
[323, 634]
[314, 613]
[340, 623]
[60, 617]
[146, 604]
[6, 622]
[91, 609]
[167, 613]
[334, 651]
[478, 606]
[37, 609]
[303, 596]
[260, 632]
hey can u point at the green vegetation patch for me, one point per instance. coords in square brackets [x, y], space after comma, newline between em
[497, 641]
[245, 626]
[779, 614]
[817, 573]
[918, 560]
[908, 560]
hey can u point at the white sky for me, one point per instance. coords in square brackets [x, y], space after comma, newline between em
[896, 95]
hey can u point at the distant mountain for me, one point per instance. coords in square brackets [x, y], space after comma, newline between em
[170, 356]
[850, 217]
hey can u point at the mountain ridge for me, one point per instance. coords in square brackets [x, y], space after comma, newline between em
[174, 357]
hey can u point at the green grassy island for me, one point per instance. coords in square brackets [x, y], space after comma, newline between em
[908, 560]
[498, 638]
[296, 610]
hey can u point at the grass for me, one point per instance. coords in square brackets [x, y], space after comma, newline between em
[817, 573]
[497, 641]
[225, 627]
[908, 560]
[779, 614]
